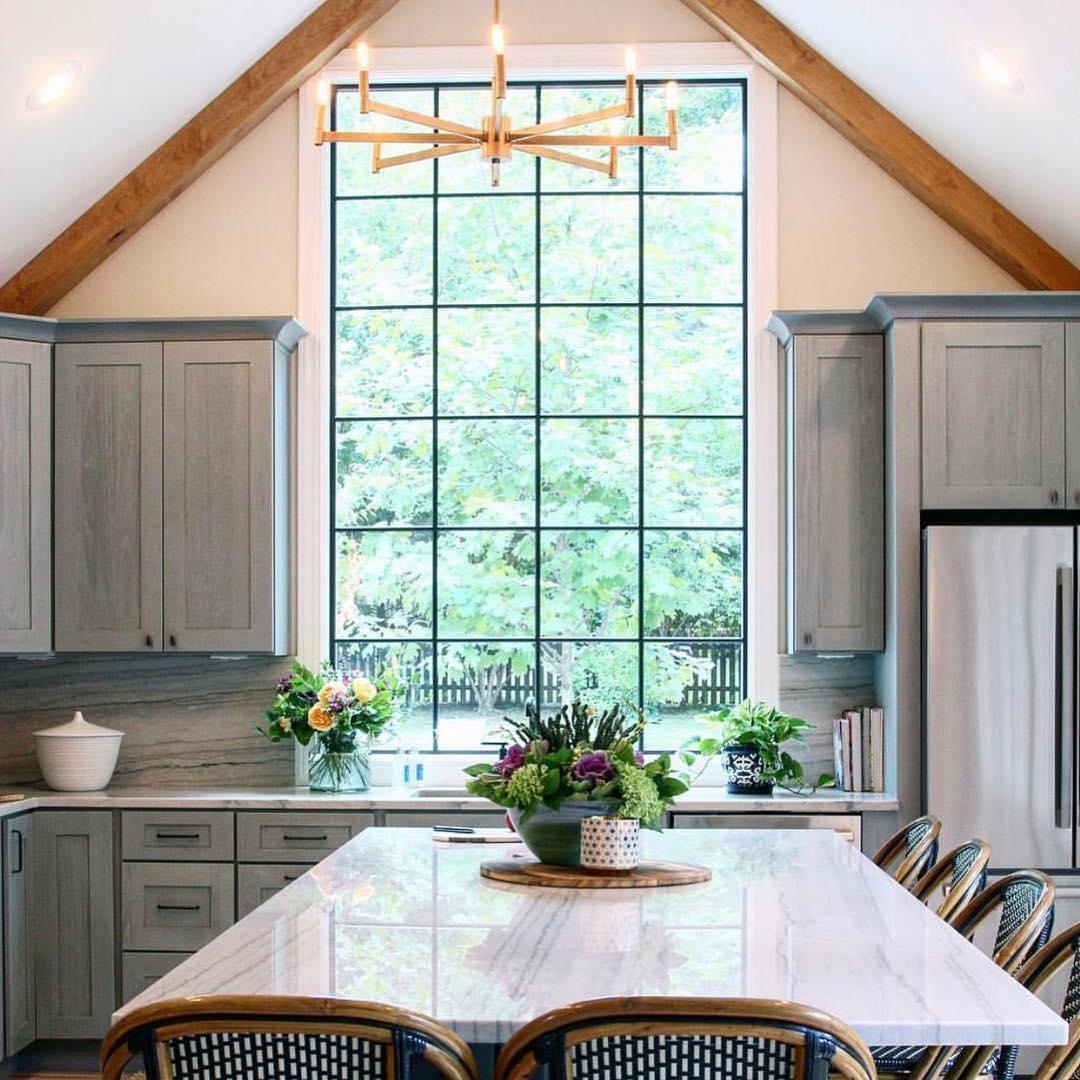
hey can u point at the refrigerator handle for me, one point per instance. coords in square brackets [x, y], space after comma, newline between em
[1063, 699]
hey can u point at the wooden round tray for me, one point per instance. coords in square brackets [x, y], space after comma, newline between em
[646, 875]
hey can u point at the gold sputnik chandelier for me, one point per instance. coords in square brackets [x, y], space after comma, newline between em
[496, 138]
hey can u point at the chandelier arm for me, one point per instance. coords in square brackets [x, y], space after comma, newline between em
[593, 140]
[422, 155]
[533, 130]
[423, 120]
[432, 137]
[561, 155]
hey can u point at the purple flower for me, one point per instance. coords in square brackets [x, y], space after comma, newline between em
[284, 684]
[639, 758]
[337, 702]
[594, 766]
[511, 761]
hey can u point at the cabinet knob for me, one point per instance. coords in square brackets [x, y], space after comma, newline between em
[1054, 496]
[1076, 496]
[149, 642]
[808, 639]
[172, 641]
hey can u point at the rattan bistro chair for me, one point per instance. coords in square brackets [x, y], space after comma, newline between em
[281, 1038]
[660, 1038]
[954, 879]
[1023, 904]
[912, 851]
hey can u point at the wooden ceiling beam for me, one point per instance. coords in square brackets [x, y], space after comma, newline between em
[886, 140]
[179, 161]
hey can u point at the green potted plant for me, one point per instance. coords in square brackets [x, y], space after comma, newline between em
[749, 739]
[578, 763]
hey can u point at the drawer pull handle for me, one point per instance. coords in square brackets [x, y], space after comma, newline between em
[177, 835]
[179, 907]
[291, 877]
[286, 836]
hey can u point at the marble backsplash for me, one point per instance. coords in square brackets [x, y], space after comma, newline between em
[187, 720]
[818, 690]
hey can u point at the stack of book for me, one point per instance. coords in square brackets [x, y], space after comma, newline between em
[859, 749]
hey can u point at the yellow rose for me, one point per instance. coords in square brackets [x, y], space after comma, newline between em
[285, 724]
[327, 691]
[320, 719]
[363, 690]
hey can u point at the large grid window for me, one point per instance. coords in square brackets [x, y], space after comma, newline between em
[538, 417]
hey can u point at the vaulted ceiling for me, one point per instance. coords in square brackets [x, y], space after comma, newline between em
[150, 65]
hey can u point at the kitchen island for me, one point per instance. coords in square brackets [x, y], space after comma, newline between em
[394, 917]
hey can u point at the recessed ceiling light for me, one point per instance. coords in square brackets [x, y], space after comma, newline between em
[994, 69]
[55, 85]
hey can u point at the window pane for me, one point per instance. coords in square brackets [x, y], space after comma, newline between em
[589, 359]
[486, 471]
[693, 360]
[468, 171]
[588, 584]
[411, 662]
[384, 473]
[588, 247]
[693, 249]
[684, 679]
[487, 586]
[564, 101]
[487, 360]
[487, 250]
[603, 672]
[384, 585]
[693, 583]
[588, 472]
[354, 175]
[693, 472]
[384, 252]
[710, 154]
[478, 685]
[383, 363]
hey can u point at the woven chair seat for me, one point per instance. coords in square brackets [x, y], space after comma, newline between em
[903, 1059]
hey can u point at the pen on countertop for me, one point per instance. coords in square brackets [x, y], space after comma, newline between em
[452, 828]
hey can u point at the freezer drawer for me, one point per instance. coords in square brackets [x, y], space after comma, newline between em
[849, 826]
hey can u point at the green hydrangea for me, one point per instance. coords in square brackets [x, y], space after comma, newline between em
[640, 799]
[526, 786]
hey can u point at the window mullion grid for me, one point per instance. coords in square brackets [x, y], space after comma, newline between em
[538, 678]
[435, 447]
[641, 410]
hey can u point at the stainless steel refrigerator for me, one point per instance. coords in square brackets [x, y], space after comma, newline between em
[1000, 710]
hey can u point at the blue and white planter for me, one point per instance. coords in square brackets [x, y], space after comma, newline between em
[745, 771]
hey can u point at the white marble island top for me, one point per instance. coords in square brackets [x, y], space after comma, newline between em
[800, 915]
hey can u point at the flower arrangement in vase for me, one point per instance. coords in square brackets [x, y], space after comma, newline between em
[337, 715]
[576, 764]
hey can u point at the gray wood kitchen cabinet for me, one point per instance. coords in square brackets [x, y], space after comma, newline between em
[25, 496]
[1072, 413]
[108, 497]
[176, 907]
[836, 493]
[18, 985]
[225, 496]
[74, 935]
[993, 414]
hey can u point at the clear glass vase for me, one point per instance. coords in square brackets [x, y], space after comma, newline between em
[336, 769]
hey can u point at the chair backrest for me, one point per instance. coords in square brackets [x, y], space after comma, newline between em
[260, 1038]
[685, 1038]
[954, 879]
[912, 851]
[1023, 904]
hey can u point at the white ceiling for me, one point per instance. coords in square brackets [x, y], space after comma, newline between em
[149, 65]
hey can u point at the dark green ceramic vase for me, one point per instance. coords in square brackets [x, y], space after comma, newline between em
[554, 836]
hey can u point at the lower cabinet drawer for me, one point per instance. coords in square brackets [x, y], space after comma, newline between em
[176, 907]
[406, 819]
[849, 826]
[304, 838]
[256, 884]
[143, 969]
[177, 835]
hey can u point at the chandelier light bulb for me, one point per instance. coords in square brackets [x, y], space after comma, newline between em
[363, 57]
[671, 96]
[631, 62]
[322, 93]
[498, 43]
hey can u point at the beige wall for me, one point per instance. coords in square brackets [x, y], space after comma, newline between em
[227, 246]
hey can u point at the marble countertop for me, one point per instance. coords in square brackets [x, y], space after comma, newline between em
[698, 800]
[799, 915]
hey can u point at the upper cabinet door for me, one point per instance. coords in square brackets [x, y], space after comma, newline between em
[108, 497]
[836, 480]
[222, 517]
[25, 497]
[1072, 412]
[993, 412]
